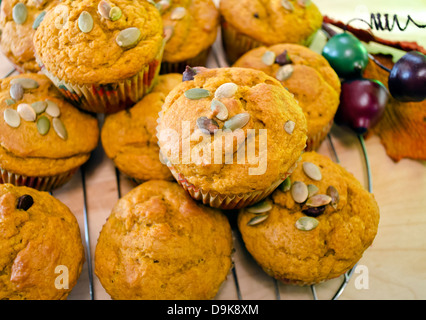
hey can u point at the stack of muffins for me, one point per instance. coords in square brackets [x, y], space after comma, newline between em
[196, 141]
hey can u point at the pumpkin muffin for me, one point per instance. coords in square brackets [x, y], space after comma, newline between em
[129, 136]
[190, 28]
[18, 22]
[42, 254]
[114, 56]
[313, 228]
[159, 244]
[247, 24]
[212, 117]
[305, 74]
[43, 138]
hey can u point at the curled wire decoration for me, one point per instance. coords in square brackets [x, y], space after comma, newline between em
[377, 23]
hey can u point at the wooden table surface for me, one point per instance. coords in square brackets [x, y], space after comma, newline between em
[394, 267]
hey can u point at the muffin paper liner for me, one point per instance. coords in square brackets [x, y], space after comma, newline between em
[227, 201]
[314, 142]
[40, 183]
[179, 67]
[111, 97]
[236, 43]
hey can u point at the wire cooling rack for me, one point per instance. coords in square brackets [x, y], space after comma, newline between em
[87, 281]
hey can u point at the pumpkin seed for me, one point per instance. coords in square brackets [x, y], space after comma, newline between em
[26, 112]
[226, 90]
[59, 128]
[9, 102]
[220, 109]
[260, 207]
[188, 74]
[178, 13]
[287, 5]
[43, 125]
[304, 3]
[284, 72]
[104, 9]
[16, 92]
[25, 202]
[289, 126]
[299, 191]
[128, 37]
[168, 32]
[332, 192]
[207, 125]
[283, 58]
[39, 106]
[312, 190]
[318, 200]
[268, 58]
[314, 211]
[115, 13]
[52, 109]
[197, 93]
[38, 20]
[286, 185]
[312, 171]
[11, 117]
[26, 83]
[85, 22]
[19, 13]
[163, 5]
[257, 219]
[306, 223]
[238, 121]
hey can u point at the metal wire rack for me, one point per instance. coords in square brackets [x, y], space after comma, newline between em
[220, 61]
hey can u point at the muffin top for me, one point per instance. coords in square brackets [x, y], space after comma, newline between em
[208, 122]
[39, 241]
[312, 240]
[129, 136]
[160, 244]
[273, 21]
[190, 27]
[17, 30]
[37, 123]
[304, 73]
[80, 43]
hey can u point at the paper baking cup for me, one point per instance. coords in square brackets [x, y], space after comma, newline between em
[112, 97]
[314, 142]
[39, 183]
[179, 67]
[226, 201]
[235, 43]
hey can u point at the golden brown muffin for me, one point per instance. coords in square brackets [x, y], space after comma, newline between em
[43, 139]
[159, 244]
[41, 250]
[317, 239]
[129, 136]
[190, 27]
[255, 110]
[17, 33]
[308, 76]
[247, 24]
[114, 55]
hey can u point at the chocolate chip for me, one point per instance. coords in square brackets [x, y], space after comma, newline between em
[256, 15]
[188, 74]
[283, 58]
[206, 125]
[25, 202]
[314, 211]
